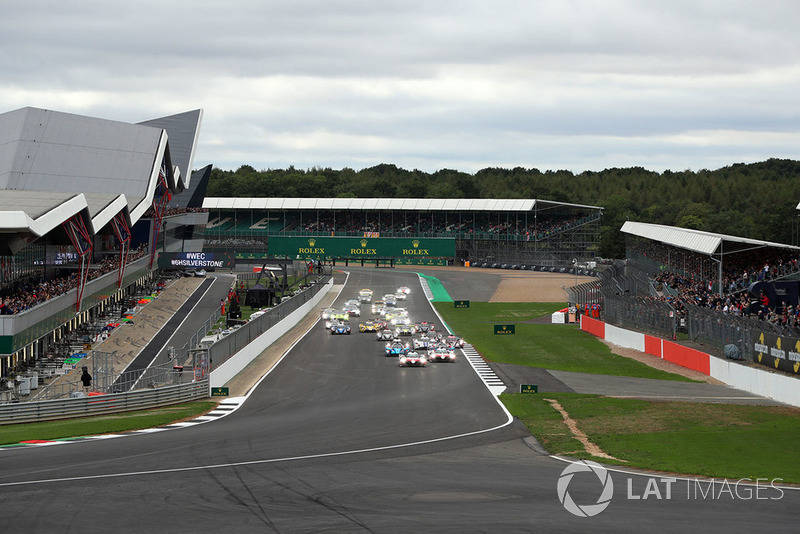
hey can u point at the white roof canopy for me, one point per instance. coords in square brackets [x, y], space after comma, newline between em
[694, 240]
[383, 204]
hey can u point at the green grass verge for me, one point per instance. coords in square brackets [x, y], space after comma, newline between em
[549, 346]
[714, 440]
[103, 424]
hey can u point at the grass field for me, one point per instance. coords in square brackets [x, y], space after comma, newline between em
[731, 441]
[104, 424]
[558, 347]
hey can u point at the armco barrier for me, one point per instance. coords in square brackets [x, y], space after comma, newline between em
[142, 399]
[782, 388]
[233, 365]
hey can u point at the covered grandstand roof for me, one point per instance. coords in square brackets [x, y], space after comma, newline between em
[696, 240]
[54, 165]
[184, 129]
[374, 204]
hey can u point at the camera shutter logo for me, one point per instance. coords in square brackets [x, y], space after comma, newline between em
[587, 510]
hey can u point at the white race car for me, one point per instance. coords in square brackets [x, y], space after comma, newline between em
[425, 327]
[412, 359]
[441, 354]
[385, 335]
[422, 342]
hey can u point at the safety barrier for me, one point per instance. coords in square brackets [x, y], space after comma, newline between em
[255, 342]
[143, 399]
[782, 388]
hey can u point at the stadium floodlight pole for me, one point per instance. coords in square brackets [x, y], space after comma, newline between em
[719, 279]
[575, 266]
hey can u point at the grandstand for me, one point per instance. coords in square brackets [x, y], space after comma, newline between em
[86, 203]
[509, 230]
[737, 295]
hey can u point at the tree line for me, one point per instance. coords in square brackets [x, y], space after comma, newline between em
[756, 200]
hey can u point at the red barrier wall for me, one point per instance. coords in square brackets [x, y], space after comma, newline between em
[652, 345]
[593, 326]
[686, 357]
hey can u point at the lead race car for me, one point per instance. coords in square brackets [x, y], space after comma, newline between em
[412, 359]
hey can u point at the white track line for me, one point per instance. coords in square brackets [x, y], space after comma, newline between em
[484, 372]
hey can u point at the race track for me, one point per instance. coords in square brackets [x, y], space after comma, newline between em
[338, 438]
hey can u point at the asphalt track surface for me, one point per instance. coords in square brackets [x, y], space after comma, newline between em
[338, 438]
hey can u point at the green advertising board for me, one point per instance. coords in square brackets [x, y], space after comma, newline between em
[307, 248]
[219, 392]
[528, 388]
[503, 329]
[461, 304]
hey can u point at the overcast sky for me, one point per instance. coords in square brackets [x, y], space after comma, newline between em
[560, 84]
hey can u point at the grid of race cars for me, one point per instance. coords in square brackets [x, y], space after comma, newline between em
[414, 344]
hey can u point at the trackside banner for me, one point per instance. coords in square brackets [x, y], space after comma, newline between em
[323, 248]
[778, 352]
[195, 260]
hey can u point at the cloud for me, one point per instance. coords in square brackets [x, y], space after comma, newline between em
[579, 85]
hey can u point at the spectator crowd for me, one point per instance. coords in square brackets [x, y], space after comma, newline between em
[20, 295]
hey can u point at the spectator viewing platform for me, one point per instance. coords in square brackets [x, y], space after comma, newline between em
[86, 203]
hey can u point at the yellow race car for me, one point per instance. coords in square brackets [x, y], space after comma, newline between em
[371, 326]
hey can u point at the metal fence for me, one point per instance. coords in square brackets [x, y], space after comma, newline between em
[67, 408]
[238, 339]
[629, 300]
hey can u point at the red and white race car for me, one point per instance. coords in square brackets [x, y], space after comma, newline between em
[441, 354]
[412, 359]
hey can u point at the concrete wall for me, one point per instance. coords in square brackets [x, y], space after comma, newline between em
[782, 388]
[236, 363]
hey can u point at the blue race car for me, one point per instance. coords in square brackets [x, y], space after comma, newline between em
[396, 348]
[340, 327]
